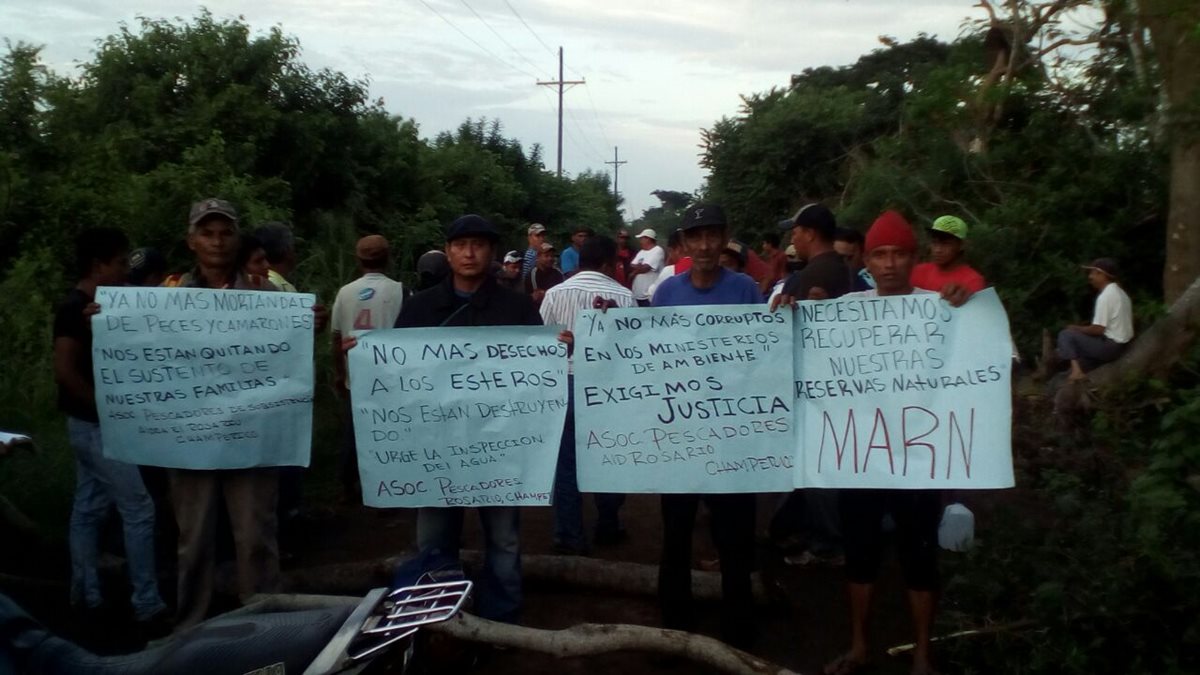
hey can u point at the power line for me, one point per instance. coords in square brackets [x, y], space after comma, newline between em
[566, 130]
[595, 153]
[595, 113]
[498, 35]
[528, 27]
[475, 42]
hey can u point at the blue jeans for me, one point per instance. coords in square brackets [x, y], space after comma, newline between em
[499, 594]
[100, 483]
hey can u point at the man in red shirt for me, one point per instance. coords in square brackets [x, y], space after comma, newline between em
[946, 272]
[776, 260]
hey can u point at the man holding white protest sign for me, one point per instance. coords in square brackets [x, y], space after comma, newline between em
[215, 383]
[873, 372]
[705, 234]
[472, 297]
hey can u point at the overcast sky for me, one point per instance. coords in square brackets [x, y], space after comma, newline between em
[657, 71]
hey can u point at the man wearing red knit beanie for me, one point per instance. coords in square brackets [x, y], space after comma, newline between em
[891, 250]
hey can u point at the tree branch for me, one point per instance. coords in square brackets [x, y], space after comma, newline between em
[591, 639]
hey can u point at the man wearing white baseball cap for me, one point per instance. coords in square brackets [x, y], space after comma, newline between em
[646, 265]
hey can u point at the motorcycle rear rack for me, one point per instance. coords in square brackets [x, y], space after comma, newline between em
[384, 618]
[410, 608]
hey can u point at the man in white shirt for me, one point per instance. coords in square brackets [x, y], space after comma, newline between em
[678, 261]
[1090, 346]
[593, 284]
[369, 302]
[646, 266]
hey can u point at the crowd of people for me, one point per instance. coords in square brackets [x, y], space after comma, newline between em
[471, 281]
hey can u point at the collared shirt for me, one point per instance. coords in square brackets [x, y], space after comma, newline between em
[491, 305]
[563, 302]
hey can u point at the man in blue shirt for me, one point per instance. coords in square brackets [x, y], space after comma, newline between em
[705, 235]
[568, 262]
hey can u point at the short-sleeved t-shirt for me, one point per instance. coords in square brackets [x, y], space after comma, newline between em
[69, 322]
[569, 260]
[369, 302]
[778, 265]
[1114, 311]
[655, 258]
[732, 288]
[827, 271]
[933, 278]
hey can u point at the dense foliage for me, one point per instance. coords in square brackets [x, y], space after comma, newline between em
[171, 111]
[1066, 176]
[1093, 564]
[1090, 566]
[176, 111]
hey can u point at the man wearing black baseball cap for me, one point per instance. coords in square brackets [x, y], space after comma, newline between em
[1090, 346]
[471, 296]
[705, 235]
[825, 275]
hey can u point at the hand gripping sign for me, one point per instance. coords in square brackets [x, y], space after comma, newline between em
[904, 392]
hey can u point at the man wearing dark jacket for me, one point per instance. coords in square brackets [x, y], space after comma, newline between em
[471, 296]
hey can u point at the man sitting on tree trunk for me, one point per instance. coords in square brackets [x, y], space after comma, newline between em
[1090, 346]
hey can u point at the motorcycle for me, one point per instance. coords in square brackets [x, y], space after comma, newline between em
[323, 637]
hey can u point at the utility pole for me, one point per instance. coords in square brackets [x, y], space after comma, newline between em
[560, 84]
[616, 165]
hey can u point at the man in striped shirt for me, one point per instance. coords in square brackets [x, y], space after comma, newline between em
[593, 284]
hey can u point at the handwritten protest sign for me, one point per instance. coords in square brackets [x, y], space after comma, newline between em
[904, 392]
[458, 416]
[192, 378]
[684, 399]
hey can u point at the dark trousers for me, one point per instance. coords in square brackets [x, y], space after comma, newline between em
[732, 521]
[568, 502]
[348, 457]
[811, 514]
[1092, 351]
[917, 514]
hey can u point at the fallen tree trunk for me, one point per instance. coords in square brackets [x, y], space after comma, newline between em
[590, 639]
[587, 639]
[547, 570]
[1151, 355]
